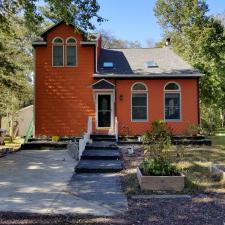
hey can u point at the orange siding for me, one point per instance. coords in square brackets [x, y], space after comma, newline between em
[189, 105]
[63, 96]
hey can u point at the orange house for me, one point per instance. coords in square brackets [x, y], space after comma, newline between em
[122, 90]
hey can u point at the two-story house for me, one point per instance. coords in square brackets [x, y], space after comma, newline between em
[75, 79]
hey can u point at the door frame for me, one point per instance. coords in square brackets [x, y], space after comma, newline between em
[112, 110]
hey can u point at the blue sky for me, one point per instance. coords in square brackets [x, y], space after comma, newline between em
[134, 19]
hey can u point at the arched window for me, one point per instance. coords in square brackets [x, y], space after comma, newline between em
[172, 102]
[139, 102]
[57, 52]
[71, 52]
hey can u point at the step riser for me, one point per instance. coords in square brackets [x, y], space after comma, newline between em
[100, 157]
[90, 147]
[97, 170]
[102, 136]
[104, 139]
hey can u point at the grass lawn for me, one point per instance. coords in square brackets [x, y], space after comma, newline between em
[193, 161]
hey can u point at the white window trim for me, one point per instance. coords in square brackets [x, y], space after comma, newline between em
[139, 92]
[70, 44]
[164, 101]
[57, 44]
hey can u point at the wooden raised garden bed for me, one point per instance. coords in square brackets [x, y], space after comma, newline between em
[160, 183]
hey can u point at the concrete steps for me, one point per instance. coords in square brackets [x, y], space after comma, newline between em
[99, 166]
[102, 156]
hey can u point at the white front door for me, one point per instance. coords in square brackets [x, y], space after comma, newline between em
[104, 111]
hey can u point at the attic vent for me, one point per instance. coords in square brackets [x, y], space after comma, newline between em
[108, 64]
[150, 64]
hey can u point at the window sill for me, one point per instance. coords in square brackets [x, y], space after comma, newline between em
[174, 121]
[137, 121]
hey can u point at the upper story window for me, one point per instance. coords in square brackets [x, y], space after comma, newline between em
[139, 102]
[57, 52]
[172, 102]
[71, 52]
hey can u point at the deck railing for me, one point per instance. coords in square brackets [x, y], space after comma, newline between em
[83, 141]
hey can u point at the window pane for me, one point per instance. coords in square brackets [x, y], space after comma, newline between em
[171, 86]
[139, 113]
[172, 106]
[139, 87]
[139, 99]
[71, 41]
[58, 41]
[139, 106]
[71, 56]
[57, 55]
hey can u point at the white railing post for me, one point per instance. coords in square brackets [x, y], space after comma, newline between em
[83, 141]
[116, 128]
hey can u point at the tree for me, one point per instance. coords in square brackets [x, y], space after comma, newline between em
[80, 12]
[110, 41]
[200, 40]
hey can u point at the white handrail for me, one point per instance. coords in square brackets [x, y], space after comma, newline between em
[116, 128]
[83, 141]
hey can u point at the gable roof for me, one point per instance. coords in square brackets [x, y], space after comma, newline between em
[88, 36]
[132, 63]
[103, 84]
[56, 25]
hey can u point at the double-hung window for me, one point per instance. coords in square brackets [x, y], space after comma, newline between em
[57, 52]
[172, 102]
[71, 52]
[139, 102]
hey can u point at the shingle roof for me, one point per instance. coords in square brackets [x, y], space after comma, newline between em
[132, 62]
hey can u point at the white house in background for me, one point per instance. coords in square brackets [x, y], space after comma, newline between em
[24, 116]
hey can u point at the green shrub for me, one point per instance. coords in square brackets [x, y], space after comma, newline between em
[158, 166]
[157, 140]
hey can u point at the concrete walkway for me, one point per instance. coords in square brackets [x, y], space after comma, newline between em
[44, 182]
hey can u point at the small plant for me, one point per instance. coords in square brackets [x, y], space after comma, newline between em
[192, 130]
[158, 166]
[55, 138]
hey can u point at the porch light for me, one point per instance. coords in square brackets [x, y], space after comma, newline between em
[121, 97]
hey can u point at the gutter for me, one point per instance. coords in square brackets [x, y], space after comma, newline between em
[95, 75]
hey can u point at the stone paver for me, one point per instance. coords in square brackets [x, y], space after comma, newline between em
[100, 188]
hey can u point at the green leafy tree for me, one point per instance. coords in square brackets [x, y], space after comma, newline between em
[200, 40]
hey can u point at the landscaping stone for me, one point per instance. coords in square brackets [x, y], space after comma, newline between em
[173, 196]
